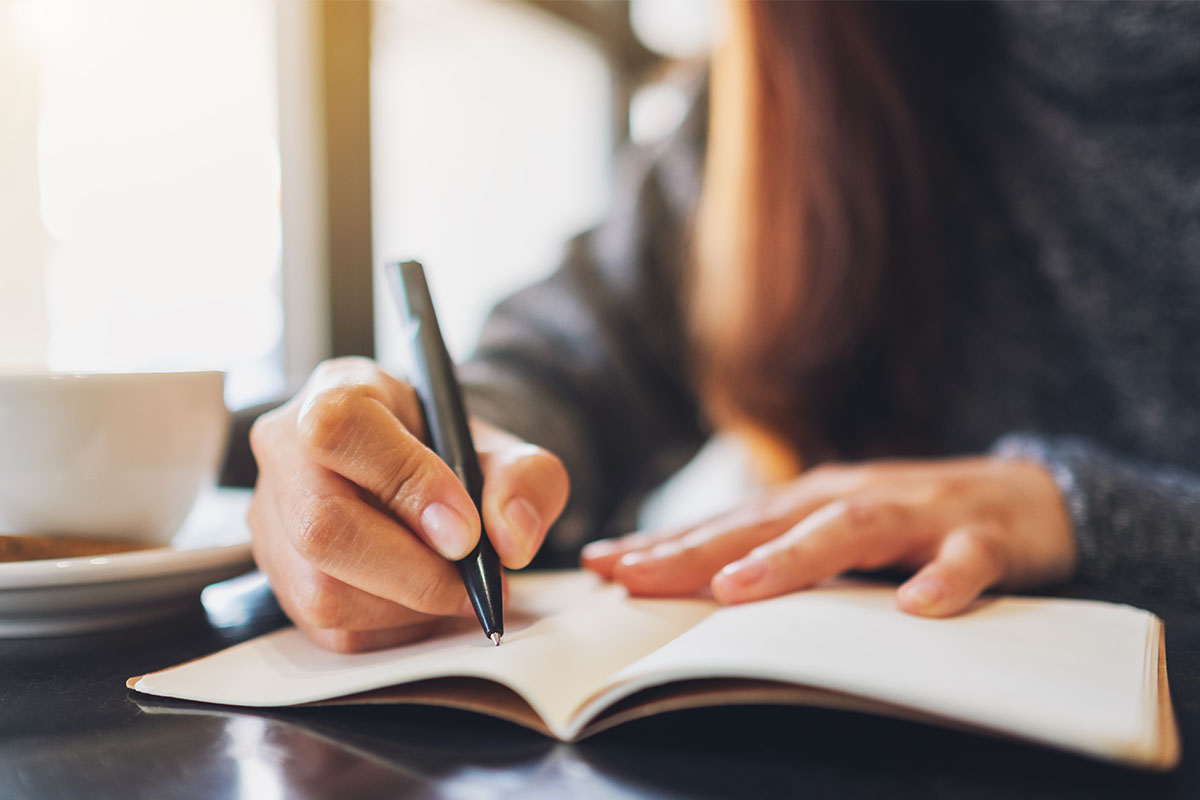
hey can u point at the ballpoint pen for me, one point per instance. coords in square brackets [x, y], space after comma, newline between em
[449, 432]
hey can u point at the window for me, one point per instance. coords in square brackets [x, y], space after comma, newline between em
[491, 139]
[140, 212]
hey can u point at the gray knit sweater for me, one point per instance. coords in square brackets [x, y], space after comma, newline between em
[1079, 343]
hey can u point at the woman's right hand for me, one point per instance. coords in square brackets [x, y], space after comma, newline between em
[355, 521]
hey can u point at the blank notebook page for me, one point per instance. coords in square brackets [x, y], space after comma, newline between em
[1044, 669]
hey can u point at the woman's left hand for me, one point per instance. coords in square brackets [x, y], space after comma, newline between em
[963, 525]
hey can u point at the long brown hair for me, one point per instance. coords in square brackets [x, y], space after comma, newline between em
[817, 284]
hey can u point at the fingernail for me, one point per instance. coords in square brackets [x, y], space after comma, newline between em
[666, 550]
[633, 559]
[599, 549]
[447, 529]
[522, 517]
[923, 594]
[747, 572]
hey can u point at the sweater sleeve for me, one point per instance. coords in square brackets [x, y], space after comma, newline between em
[590, 363]
[1137, 525]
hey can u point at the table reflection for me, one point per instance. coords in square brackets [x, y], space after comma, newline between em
[69, 728]
[362, 752]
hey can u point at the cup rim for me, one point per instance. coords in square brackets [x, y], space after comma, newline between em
[32, 376]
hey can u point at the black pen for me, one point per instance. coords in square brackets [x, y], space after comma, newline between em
[446, 423]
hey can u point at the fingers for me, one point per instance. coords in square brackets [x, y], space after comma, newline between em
[687, 563]
[353, 424]
[969, 560]
[348, 539]
[525, 488]
[845, 534]
[316, 600]
[646, 548]
[331, 613]
[602, 556]
[702, 549]
[970, 523]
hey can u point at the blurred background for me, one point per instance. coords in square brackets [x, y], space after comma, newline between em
[215, 183]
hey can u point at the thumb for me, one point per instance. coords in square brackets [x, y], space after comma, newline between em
[525, 488]
[969, 560]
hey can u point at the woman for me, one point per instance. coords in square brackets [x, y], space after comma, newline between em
[923, 232]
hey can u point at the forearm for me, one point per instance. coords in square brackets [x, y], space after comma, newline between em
[569, 366]
[591, 362]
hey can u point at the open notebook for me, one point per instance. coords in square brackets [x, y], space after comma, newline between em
[580, 656]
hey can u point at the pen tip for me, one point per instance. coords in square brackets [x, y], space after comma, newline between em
[495, 637]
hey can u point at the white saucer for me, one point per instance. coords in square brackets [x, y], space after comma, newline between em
[82, 595]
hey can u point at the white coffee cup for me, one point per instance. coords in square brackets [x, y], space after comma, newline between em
[107, 455]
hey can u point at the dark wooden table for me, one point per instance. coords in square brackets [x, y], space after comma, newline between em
[69, 728]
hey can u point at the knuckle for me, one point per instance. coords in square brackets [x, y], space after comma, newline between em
[859, 513]
[948, 492]
[546, 470]
[408, 403]
[322, 604]
[429, 595]
[878, 528]
[412, 467]
[327, 416]
[261, 432]
[865, 513]
[988, 546]
[322, 522]
[785, 559]
[257, 434]
[340, 641]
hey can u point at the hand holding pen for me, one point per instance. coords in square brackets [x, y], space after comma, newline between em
[357, 522]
